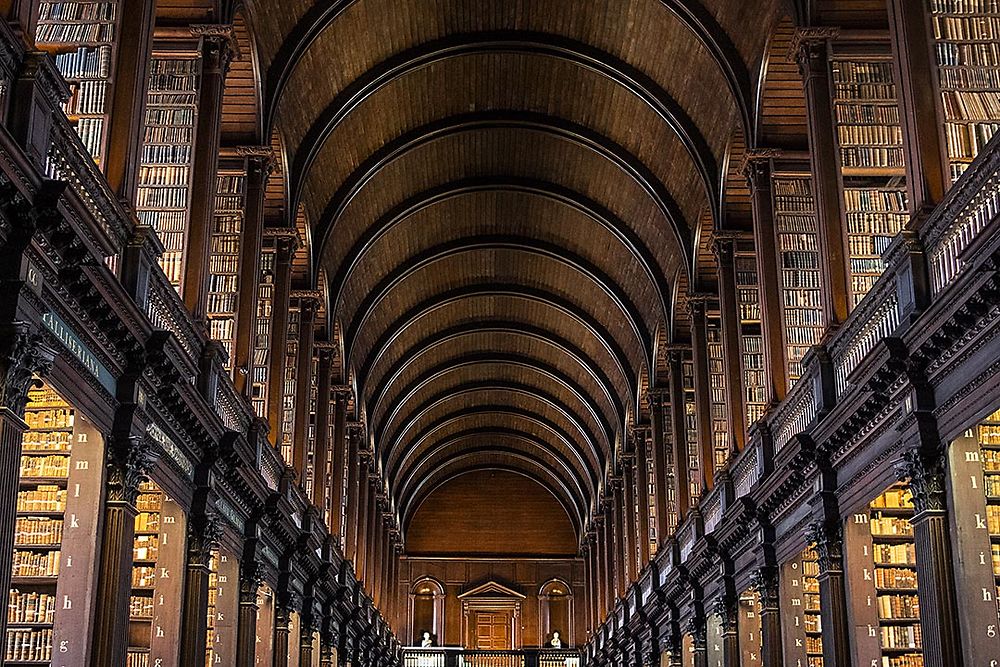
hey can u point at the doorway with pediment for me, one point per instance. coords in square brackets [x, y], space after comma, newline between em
[491, 617]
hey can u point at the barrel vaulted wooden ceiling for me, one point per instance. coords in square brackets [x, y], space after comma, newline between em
[505, 197]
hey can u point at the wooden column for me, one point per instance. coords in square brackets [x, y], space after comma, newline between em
[305, 646]
[355, 433]
[216, 54]
[610, 586]
[699, 641]
[338, 459]
[364, 511]
[246, 627]
[321, 485]
[203, 536]
[631, 536]
[811, 48]
[618, 550]
[928, 177]
[724, 248]
[285, 244]
[600, 570]
[939, 612]
[727, 608]
[282, 628]
[642, 493]
[658, 404]
[308, 304]
[588, 580]
[126, 103]
[259, 164]
[827, 534]
[697, 304]
[765, 582]
[757, 168]
[682, 471]
[128, 460]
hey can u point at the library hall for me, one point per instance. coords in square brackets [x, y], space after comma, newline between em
[500, 333]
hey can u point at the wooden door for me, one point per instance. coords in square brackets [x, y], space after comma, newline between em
[493, 631]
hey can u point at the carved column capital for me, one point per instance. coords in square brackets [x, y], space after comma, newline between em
[25, 354]
[203, 537]
[129, 460]
[726, 608]
[657, 397]
[808, 50]
[764, 581]
[286, 242]
[924, 472]
[828, 539]
[251, 578]
[218, 46]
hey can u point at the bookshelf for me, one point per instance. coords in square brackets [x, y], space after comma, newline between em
[802, 634]
[691, 430]
[966, 37]
[717, 388]
[988, 435]
[289, 385]
[872, 170]
[799, 266]
[224, 260]
[262, 334]
[895, 578]
[310, 444]
[81, 38]
[751, 334]
[213, 597]
[145, 553]
[54, 529]
[651, 497]
[164, 193]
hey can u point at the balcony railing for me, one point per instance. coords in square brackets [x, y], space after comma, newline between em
[458, 657]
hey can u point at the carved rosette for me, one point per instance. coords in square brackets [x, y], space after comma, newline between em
[25, 356]
[130, 458]
[764, 581]
[828, 538]
[925, 474]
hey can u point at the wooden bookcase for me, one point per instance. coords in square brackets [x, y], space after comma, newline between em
[691, 429]
[290, 382]
[81, 37]
[55, 540]
[260, 371]
[713, 642]
[224, 260]
[223, 609]
[751, 334]
[717, 388]
[801, 627]
[164, 193]
[882, 582]
[966, 36]
[264, 653]
[310, 444]
[798, 250]
[872, 171]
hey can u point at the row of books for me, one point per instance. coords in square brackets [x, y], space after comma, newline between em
[169, 221]
[864, 244]
[227, 244]
[35, 530]
[901, 636]
[894, 554]
[158, 154]
[78, 10]
[35, 564]
[30, 607]
[147, 522]
[168, 134]
[914, 660]
[893, 499]
[85, 63]
[962, 105]
[867, 112]
[51, 418]
[862, 71]
[143, 576]
[225, 268]
[44, 398]
[162, 197]
[879, 223]
[970, 77]
[44, 498]
[91, 133]
[857, 157]
[45, 466]
[151, 175]
[88, 97]
[965, 6]
[898, 606]
[137, 659]
[977, 54]
[75, 33]
[140, 607]
[966, 28]
[896, 577]
[46, 441]
[145, 547]
[993, 519]
[965, 140]
[221, 304]
[869, 92]
[28, 645]
[222, 328]
[169, 116]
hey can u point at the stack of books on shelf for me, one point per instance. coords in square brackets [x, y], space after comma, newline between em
[81, 36]
[988, 434]
[871, 160]
[751, 338]
[717, 388]
[163, 196]
[799, 265]
[691, 430]
[259, 372]
[894, 557]
[224, 260]
[145, 552]
[289, 386]
[966, 34]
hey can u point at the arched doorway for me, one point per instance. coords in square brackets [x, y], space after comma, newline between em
[426, 611]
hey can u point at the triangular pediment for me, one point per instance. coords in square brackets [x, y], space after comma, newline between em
[491, 589]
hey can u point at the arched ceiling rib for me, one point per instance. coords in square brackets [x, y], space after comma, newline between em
[505, 197]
